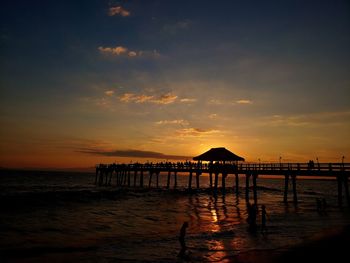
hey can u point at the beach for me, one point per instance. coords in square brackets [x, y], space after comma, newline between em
[329, 246]
[64, 217]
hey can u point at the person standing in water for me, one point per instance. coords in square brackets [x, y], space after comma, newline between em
[263, 218]
[182, 239]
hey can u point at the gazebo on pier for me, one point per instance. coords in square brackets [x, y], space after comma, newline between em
[223, 155]
[217, 155]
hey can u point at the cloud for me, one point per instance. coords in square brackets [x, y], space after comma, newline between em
[127, 97]
[313, 119]
[196, 132]
[165, 122]
[126, 52]
[213, 116]
[165, 99]
[142, 98]
[109, 92]
[119, 50]
[118, 10]
[243, 101]
[132, 54]
[132, 153]
[132, 97]
[188, 100]
[215, 102]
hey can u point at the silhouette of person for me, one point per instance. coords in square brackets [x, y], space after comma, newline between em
[311, 164]
[319, 205]
[252, 210]
[263, 218]
[324, 204]
[182, 239]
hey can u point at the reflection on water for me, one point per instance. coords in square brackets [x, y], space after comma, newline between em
[144, 225]
[217, 224]
[218, 251]
[220, 231]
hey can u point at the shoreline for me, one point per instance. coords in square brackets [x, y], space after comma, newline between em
[328, 246]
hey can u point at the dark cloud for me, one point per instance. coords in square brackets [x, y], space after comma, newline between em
[133, 153]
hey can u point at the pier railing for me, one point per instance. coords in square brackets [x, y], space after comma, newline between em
[262, 168]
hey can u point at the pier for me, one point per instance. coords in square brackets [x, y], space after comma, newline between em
[132, 175]
[220, 161]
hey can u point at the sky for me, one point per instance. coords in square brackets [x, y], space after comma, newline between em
[85, 82]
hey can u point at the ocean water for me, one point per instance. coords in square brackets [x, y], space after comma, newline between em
[63, 216]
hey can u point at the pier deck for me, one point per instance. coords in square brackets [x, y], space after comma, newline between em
[122, 172]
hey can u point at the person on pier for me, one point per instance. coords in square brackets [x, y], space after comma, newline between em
[311, 165]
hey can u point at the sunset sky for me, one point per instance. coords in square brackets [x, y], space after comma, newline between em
[84, 82]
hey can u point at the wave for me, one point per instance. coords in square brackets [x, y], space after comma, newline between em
[25, 253]
[13, 200]
[219, 234]
[270, 189]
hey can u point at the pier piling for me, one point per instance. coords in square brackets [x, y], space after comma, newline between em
[255, 194]
[211, 180]
[135, 177]
[340, 189]
[294, 183]
[168, 180]
[237, 183]
[216, 181]
[223, 182]
[141, 178]
[247, 176]
[129, 178]
[197, 179]
[175, 182]
[346, 186]
[97, 172]
[150, 178]
[190, 181]
[286, 183]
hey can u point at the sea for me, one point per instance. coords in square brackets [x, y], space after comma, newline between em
[51, 216]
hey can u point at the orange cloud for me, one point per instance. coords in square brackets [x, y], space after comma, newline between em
[165, 122]
[124, 51]
[196, 132]
[109, 92]
[118, 10]
[188, 100]
[127, 97]
[142, 98]
[165, 99]
[119, 50]
[244, 101]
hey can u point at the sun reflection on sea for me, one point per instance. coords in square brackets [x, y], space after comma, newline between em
[218, 247]
[214, 215]
[218, 251]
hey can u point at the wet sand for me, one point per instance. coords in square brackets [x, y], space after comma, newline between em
[330, 246]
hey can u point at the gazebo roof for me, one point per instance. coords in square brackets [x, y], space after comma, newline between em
[218, 154]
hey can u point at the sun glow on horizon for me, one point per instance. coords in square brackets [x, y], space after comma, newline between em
[149, 84]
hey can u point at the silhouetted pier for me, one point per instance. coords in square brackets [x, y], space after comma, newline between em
[133, 174]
